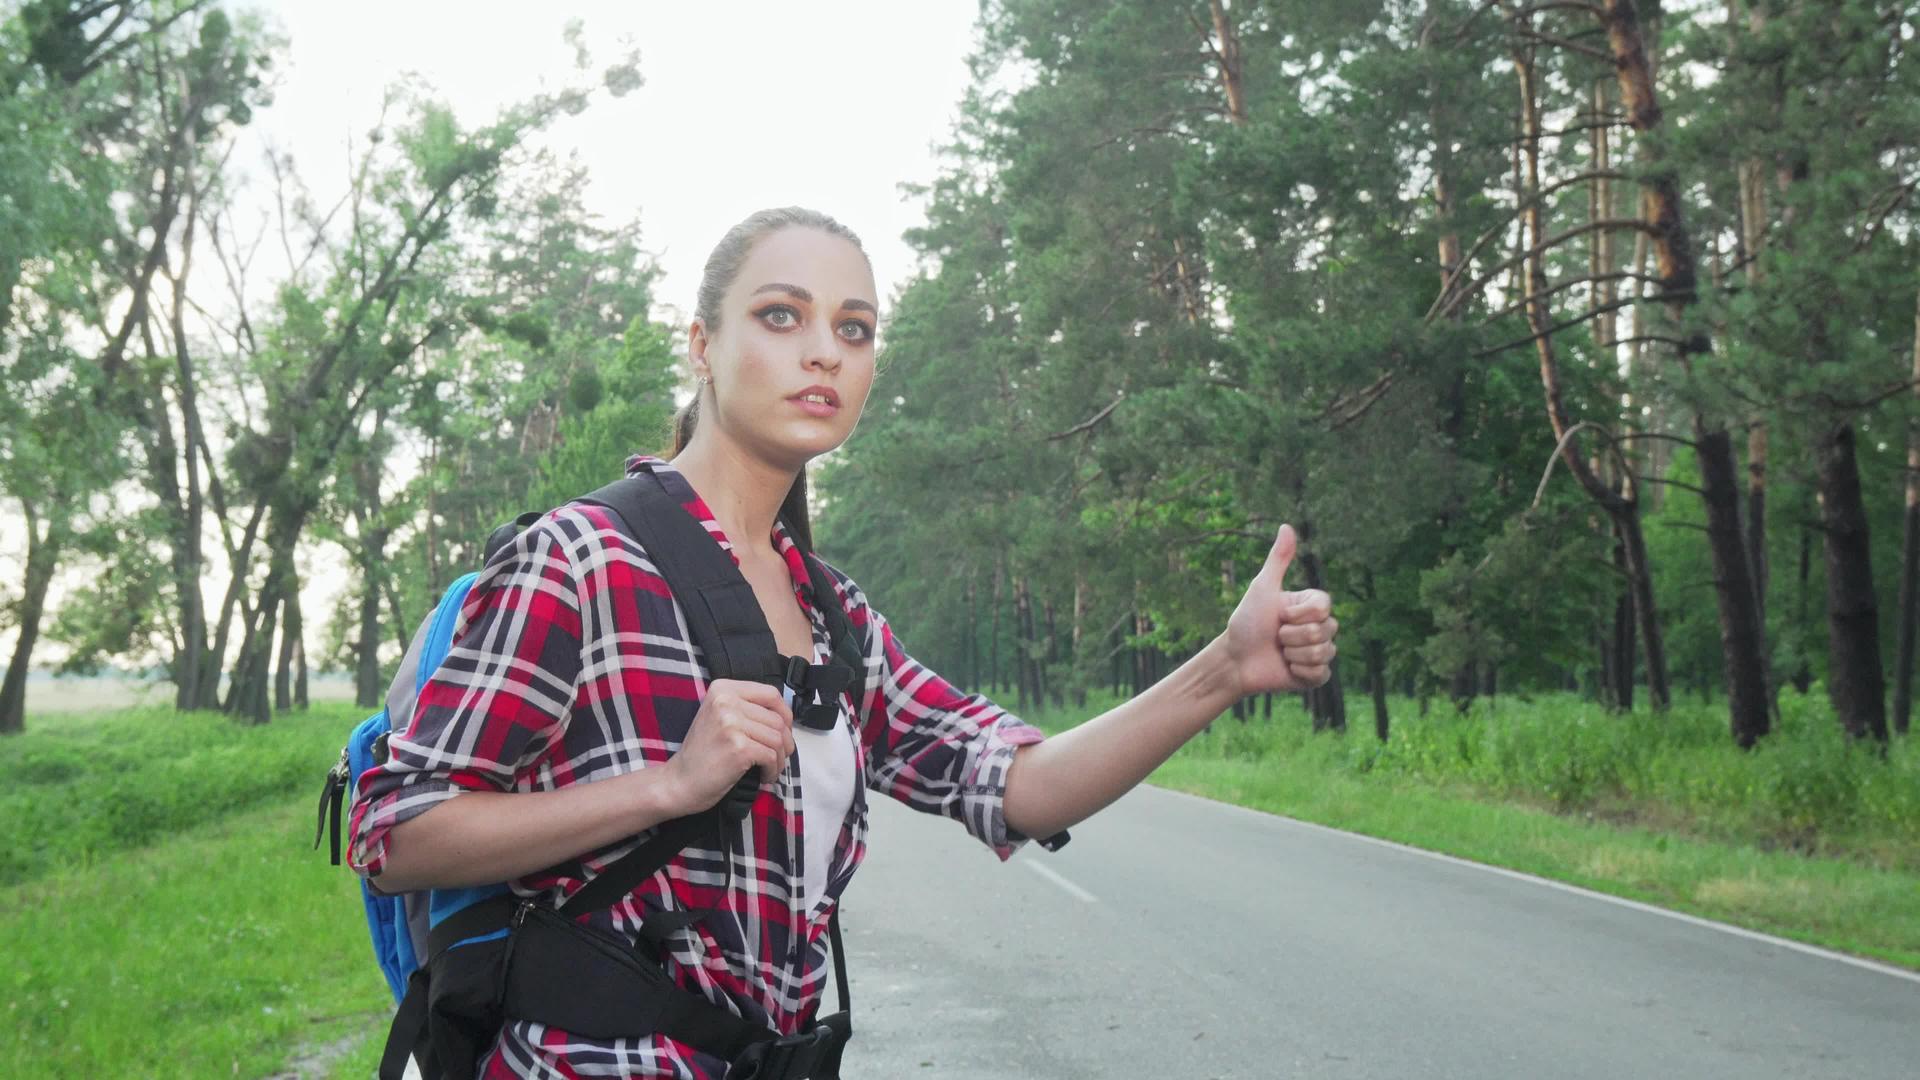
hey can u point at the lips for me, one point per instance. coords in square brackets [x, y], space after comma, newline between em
[823, 395]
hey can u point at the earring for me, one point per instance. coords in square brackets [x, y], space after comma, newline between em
[706, 380]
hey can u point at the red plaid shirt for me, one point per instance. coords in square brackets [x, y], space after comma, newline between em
[571, 663]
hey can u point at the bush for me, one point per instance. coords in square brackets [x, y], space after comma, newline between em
[86, 786]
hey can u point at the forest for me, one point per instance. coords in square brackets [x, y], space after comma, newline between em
[1576, 339]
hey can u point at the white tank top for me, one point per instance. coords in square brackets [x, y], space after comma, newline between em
[827, 776]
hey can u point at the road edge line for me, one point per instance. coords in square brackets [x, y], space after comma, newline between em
[1578, 890]
[1054, 876]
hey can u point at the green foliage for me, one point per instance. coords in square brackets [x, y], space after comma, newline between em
[85, 788]
[1808, 788]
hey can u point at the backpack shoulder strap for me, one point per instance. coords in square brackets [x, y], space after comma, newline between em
[722, 614]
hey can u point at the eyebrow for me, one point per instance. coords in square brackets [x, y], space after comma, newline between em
[806, 297]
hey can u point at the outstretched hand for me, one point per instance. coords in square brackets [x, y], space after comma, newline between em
[1279, 639]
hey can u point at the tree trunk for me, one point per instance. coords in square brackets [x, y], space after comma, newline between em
[1909, 559]
[301, 700]
[1757, 512]
[209, 692]
[1855, 683]
[1082, 676]
[1623, 641]
[1226, 53]
[292, 665]
[1049, 683]
[1653, 642]
[970, 650]
[283, 665]
[247, 692]
[1622, 510]
[1023, 628]
[1742, 636]
[1803, 671]
[1142, 660]
[1377, 684]
[43, 556]
[993, 651]
[367, 690]
[189, 554]
[1752, 236]
[1328, 702]
[1599, 208]
[1607, 645]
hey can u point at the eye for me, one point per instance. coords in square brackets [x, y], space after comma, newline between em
[779, 317]
[856, 331]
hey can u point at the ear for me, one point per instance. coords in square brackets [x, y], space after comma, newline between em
[697, 342]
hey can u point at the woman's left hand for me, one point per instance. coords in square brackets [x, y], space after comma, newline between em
[1278, 639]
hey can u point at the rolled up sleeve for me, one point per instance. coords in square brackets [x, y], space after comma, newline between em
[496, 704]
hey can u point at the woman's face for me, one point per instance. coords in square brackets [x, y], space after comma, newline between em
[792, 359]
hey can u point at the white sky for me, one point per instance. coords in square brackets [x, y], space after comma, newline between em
[745, 105]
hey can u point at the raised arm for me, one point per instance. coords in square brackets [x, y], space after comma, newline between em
[1274, 640]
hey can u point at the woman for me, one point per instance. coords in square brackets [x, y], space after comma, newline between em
[572, 715]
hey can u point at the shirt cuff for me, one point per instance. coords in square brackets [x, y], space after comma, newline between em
[367, 854]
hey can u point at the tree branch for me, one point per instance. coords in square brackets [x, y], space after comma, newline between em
[1575, 321]
[1449, 299]
[1569, 283]
[1089, 423]
[1562, 43]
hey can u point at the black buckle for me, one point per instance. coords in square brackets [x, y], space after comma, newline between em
[795, 673]
[789, 1057]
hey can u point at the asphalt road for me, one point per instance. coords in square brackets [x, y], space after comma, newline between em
[1176, 937]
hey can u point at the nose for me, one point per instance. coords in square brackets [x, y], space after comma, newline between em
[823, 349]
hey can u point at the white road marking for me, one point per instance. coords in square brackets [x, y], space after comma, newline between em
[1052, 875]
[1737, 931]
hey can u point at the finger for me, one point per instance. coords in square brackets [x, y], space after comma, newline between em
[1307, 606]
[756, 693]
[1296, 656]
[1296, 635]
[770, 727]
[761, 747]
[1309, 676]
[1280, 556]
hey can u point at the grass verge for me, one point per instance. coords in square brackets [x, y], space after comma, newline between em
[221, 952]
[224, 947]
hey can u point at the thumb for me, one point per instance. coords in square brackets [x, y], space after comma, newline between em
[1281, 556]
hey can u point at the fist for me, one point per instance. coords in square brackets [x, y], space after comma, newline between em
[1279, 639]
[741, 726]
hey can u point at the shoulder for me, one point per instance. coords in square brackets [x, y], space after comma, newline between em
[852, 600]
[577, 546]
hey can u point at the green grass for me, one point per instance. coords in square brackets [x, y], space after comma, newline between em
[81, 786]
[1808, 837]
[220, 952]
[226, 947]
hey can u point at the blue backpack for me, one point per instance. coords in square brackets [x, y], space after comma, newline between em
[399, 924]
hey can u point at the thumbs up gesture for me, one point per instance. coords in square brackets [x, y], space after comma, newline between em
[1279, 639]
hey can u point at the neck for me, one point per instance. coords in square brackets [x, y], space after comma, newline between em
[743, 492]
